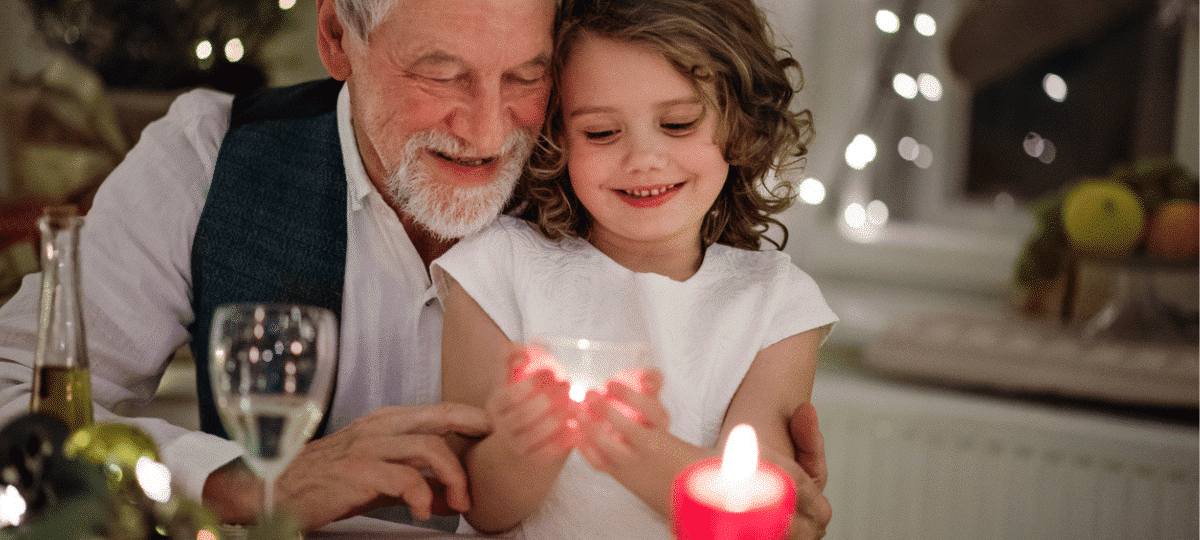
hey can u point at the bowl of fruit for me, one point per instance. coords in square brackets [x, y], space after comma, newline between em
[1138, 223]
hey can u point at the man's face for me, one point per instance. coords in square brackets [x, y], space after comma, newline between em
[448, 98]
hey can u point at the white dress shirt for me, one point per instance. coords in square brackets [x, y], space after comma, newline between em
[135, 253]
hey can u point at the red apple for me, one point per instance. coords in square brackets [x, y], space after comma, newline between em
[1173, 232]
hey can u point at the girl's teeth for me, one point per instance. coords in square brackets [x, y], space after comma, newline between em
[649, 192]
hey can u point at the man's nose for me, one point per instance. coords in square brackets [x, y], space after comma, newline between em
[484, 122]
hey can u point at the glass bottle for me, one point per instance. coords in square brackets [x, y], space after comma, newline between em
[62, 385]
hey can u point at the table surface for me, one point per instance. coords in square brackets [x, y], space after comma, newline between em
[362, 527]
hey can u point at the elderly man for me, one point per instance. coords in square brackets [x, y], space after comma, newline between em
[336, 193]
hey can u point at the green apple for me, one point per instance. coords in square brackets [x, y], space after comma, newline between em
[1103, 218]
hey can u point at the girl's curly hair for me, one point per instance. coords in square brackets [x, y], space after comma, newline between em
[725, 48]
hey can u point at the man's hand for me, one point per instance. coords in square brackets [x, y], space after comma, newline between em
[813, 511]
[375, 461]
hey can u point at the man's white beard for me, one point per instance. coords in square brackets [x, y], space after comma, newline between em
[450, 211]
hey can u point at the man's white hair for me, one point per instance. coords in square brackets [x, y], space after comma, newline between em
[362, 16]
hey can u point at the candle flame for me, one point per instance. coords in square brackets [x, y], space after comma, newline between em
[739, 465]
[740, 460]
[577, 392]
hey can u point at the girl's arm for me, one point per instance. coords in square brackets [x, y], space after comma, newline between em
[511, 470]
[779, 380]
[645, 458]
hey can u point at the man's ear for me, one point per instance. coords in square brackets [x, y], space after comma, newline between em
[331, 38]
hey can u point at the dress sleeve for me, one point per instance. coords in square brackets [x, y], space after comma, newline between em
[135, 250]
[799, 305]
[484, 265]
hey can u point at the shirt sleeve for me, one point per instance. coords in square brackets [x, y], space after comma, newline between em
[135, 252]
[483, 264]
[799, 305]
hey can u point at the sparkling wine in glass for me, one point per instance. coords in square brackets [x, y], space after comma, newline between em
[272, 367]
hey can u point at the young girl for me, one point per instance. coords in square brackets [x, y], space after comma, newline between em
[667, 117]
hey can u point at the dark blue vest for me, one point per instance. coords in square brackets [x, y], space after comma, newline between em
[273, 227]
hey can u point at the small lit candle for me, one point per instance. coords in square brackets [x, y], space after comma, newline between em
[734, 497]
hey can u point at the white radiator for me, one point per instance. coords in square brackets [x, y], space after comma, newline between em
[929, 465]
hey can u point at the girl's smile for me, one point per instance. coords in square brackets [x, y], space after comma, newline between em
[641, 149]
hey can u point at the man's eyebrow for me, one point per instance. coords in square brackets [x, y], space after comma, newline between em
[436, 57]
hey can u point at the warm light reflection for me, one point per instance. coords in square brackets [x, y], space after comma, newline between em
[234, 50]
[287, 4]
[206, 534]
[204, 49]
[930, 86]
[154, 478]
[1055, 87]
[887, 21]
[812, 191]
[12, 506]
[905, 85]
[907, 147]
[925, 24]
[860, 152]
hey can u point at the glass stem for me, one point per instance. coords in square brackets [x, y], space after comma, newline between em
[268, 509]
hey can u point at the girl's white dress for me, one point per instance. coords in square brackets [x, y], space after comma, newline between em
[706, 332]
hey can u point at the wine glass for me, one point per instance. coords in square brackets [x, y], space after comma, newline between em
[589, 364]
[272, 366]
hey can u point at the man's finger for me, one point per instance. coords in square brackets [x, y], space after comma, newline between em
[810, 444]
[440, 419]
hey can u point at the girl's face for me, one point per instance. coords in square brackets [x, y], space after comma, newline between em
[640, 145]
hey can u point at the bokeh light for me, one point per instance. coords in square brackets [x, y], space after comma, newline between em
[887, 21]
[877, 212]
[924, 156]
[930, 86]
[905, 85]
[1055, 87]
[204, 49]
[925, 24]
[234, 50]
[860, 152]
[907, 147]
[812, 191]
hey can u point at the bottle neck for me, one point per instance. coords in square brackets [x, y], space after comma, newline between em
[60, 330]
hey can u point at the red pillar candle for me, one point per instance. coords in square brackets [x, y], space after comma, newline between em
[735, 497]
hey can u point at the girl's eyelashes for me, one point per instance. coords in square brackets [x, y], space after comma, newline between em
[600, 135]
[679, 128]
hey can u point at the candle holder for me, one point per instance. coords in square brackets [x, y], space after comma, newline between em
[735, 497]
[590, 364]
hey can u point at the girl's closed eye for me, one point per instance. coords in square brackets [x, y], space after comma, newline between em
[679, 128]
[600, 135]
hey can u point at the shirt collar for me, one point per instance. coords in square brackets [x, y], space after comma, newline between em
[357, 182]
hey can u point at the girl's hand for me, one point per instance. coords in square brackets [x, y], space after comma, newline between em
[625, 435]
[532, 414]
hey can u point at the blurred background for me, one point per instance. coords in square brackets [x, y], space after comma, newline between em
[988, 378]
